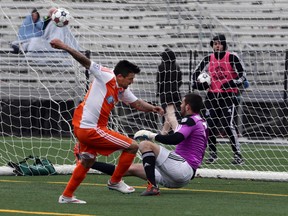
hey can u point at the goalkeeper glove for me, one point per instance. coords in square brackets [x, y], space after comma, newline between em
[144, 134]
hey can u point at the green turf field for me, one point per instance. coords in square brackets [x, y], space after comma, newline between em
[261, 157]
[38, 195]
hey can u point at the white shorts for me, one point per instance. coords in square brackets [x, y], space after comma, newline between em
[172, 171]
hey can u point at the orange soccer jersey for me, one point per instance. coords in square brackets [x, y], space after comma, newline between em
[91, 116]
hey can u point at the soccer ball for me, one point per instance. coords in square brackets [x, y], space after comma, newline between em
[204, 77]
[61, 17]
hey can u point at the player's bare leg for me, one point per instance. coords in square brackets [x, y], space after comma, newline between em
[78, 175]
[170, 120]
[125, 161]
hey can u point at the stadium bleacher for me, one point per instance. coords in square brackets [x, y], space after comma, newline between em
[141, 30]
[38, 76]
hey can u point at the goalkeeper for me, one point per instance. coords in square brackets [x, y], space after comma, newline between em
[171, 169]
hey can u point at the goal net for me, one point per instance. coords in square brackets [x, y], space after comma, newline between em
[40, 87]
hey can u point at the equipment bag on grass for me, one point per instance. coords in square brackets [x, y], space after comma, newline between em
[33, 165]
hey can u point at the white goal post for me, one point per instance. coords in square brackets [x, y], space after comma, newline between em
[40, 87]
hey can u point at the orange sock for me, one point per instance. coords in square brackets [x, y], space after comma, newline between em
[77, 177]
[125, 161]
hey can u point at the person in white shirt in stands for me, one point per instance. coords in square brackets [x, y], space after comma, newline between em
[51, 31]
[31, 27]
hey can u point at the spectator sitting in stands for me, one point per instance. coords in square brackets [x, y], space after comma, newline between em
[51, 31]
[31, 27]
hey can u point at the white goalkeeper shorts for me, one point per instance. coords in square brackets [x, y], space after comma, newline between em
[172, 171]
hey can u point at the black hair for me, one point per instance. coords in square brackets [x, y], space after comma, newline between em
[168, 55]
[34, 10]
[125, 67]
[221, 38]
[195, 101]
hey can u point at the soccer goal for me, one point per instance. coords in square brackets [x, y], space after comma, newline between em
[40, 87]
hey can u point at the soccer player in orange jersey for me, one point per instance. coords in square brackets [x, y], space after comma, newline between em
[91, 118]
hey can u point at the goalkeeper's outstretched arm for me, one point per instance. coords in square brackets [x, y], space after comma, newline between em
[171, 139]
[78, 56]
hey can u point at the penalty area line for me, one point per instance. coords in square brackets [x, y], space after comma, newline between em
[40, 213]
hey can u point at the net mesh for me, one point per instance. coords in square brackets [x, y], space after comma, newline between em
[40, 88]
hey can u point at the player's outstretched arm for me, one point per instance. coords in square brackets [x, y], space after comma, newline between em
[78, 56]
[144, 134]
[146, 107]
[169, 139]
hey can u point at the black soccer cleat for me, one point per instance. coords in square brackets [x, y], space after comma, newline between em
[212, 158]
[151, 191]
[238, 160]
